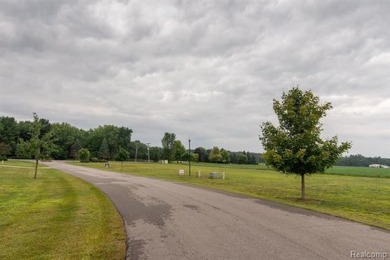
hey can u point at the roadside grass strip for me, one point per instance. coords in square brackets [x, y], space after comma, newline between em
[350, 196]
[55, 216]
[21, 164]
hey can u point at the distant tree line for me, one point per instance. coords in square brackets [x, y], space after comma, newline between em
[362, 161]
[62, 140]
[108, 142]
[217, 155]
[174, 150]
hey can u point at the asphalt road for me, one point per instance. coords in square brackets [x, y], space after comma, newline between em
[173, 221]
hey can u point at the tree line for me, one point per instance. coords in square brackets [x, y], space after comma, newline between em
[62, 141]
[361, 161]
[174, 150]
[109, 142]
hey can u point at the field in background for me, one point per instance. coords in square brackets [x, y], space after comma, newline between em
[362, 199]
[360, 171]
[55, 216]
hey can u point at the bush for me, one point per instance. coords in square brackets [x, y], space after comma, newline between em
[84, 155]
[94, 159]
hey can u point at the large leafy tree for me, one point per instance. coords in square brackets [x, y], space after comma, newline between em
[123, 137]
[115, 137]
[138, 150]
[179, 149]
[64, 137]
[295, 146]
[168, 152]
[9, 132]
[202, 154]
[225, 156]
[25, 130]
[155, 153]
[242, 158]
[215, 155]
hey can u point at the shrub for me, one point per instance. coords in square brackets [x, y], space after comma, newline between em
[84, 155]
[94, 159]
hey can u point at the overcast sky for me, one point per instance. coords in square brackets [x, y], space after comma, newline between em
[208, 70]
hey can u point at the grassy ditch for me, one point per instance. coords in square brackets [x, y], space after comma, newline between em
[55, 216]
[362, 199]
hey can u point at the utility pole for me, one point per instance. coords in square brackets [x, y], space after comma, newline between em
[189, 156]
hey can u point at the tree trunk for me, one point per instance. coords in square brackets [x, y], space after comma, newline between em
[36, 166]
[303, 196]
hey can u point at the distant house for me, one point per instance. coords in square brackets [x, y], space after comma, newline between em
[378, 166]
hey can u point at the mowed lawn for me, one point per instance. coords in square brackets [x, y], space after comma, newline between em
[55, 216]
[360, 171]
[362, 199]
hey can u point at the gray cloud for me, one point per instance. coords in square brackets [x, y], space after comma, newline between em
[205, 69]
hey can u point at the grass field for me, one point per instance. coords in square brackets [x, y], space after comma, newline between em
[55, 216]
[360, 171]
[351, 196]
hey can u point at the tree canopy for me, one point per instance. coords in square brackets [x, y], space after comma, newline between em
[295, 146]
[179, 150]
[168, 147]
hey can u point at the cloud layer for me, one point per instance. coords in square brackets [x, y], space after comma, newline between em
[208, 70]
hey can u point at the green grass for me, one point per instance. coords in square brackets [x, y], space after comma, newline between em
[360, 171]
[20, 164]
[362, 199]
[55, 216]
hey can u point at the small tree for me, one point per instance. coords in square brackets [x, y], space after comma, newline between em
[295, 147]
[122, 156]
[84, 155]
[40, 142]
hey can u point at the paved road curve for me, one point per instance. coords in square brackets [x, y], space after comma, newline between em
[172, 221]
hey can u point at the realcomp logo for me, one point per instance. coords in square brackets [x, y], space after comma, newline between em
[370, 255]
